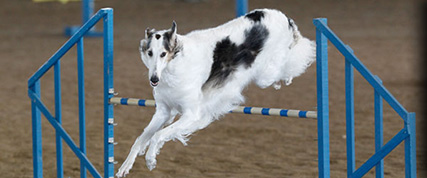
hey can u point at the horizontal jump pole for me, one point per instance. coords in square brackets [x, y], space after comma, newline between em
[239, 109]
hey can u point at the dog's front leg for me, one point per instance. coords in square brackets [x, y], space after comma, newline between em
[188, 123]
[163, 114]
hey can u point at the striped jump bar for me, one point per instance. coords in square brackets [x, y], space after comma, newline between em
[240, 109]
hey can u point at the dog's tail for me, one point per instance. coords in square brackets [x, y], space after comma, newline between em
[302, 53]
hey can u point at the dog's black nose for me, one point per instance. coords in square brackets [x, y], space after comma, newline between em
[154, 79]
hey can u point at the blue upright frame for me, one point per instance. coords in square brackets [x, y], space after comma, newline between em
[38, 107]
[322, 103]
[108, 93]
[407, 134]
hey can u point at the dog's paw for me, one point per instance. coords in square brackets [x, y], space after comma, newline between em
[150, 157]
[124, 169]
[122, 173]
[151, 163]
[277, 85]
[288, 81]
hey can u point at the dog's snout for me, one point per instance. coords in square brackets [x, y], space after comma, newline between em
[154, 79]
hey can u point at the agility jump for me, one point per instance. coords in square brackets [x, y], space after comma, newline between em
[240, 109]
[323, 34]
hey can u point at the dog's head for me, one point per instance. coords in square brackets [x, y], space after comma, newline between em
[157, 50]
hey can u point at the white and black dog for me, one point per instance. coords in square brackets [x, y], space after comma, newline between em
[201, 75]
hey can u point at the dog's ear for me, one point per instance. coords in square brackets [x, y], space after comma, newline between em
[149, 32]
[143, 45]
[173, 28]
[172, 33]
[171, 38]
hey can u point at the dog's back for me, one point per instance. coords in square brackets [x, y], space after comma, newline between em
[263, 46]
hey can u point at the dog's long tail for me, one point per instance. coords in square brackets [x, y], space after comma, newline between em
[302, 53]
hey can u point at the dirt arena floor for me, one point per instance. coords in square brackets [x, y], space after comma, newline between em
[383, 34]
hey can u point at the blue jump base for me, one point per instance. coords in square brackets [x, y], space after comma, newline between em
[323, 35]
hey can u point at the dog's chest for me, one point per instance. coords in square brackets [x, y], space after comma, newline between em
[177, 97]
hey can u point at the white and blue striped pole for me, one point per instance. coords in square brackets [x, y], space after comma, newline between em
[240, 109]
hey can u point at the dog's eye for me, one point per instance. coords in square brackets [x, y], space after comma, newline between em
[163, 54]
[150, 53]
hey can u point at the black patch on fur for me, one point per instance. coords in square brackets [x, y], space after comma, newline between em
[157, 36]
[146, 46]
[168, 44]
[255, 16]
[166, 41]
[171, 47]
[149, 32]
[228, 56]
[255, 39]
[223, 61]
[291, 24]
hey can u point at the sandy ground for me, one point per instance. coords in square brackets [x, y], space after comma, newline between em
[383, 35]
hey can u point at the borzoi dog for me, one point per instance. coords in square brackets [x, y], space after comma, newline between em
[201, 75]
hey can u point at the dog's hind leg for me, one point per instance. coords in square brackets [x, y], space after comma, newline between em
[180, 130]
[159, 119]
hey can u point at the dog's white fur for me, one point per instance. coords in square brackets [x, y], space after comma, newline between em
[182, 76]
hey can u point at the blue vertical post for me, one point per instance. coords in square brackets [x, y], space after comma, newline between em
[349, 106]
[108, 93]
[410, 148]
[241, 7]
[87, 10]
[36, 133]
[82, 115]
[322, 101]
[58, 117]
[87, 7]
[379, 138]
